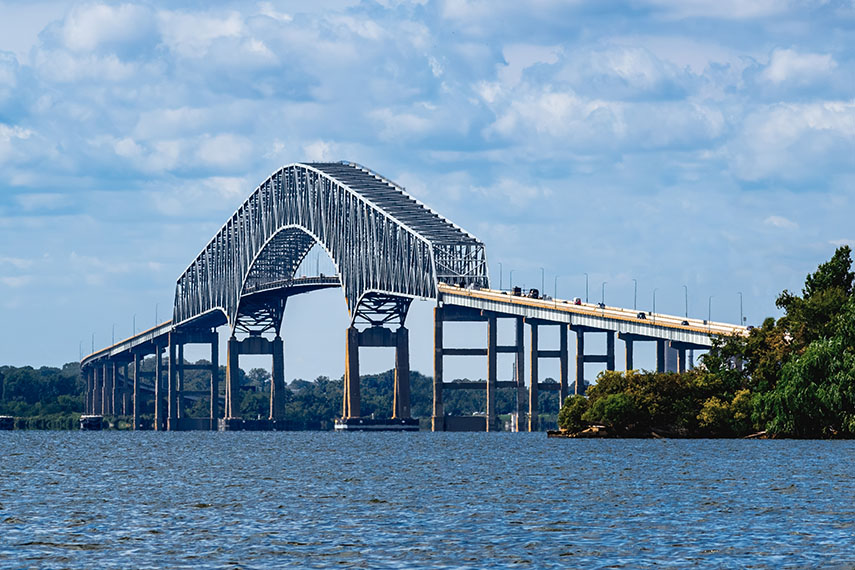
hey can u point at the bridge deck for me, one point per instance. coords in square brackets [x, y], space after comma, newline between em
[653, 325]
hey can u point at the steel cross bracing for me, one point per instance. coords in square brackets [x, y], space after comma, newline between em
[385, 245]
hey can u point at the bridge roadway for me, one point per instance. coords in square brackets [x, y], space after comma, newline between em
[388, 249]
[674, 338]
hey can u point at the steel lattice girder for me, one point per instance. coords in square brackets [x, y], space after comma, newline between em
[381, 240]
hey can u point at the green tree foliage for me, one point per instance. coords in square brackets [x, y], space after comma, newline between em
[793, 377]
[570, 415]
[27, 392]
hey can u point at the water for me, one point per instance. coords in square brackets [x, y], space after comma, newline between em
[420, 500]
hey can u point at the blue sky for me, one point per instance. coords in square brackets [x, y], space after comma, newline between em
[676, 142]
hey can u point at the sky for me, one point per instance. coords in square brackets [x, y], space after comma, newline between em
[701, 149]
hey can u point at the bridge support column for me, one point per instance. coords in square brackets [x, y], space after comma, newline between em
[681, 349]
[107, 392]
[564, 364]
[519, 374]
[135, 401]
[660, 355]
[351, 374]
[179, 385]
[126, 390]
[171, 387]
[233, 379]
[579, 388]
[438, 415]
[159, 417]
[215, 380]
[533, 380]
[628, 349]
[492, 372]
[87, 401]
[401, 393]
[610, 350]
[117, 389]
[277, 380]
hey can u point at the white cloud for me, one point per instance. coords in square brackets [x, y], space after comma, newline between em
[267, 9]
[38, 201]
[191, 35]
[364, 28]
[520, 57]
[790, 66]
[17, 281]
[318, 151]
[401, 125]
[780, 222]
[64, 67]
[721, 9]
[10, 136]
[513, 192]
[637, 67]
[224, 150]
[215, 194]
[547, 112]
[16, 262]
[795, 141]
[88, 27]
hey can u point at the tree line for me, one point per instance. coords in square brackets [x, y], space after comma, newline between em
[790, 377]
[53, 397]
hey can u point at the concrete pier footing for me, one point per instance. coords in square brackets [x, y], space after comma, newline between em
[377, 336]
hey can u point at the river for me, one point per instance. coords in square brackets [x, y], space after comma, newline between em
[421, 500]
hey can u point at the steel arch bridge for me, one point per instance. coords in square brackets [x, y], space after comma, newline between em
[388, 248]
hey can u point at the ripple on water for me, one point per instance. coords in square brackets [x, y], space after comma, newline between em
[267, 500]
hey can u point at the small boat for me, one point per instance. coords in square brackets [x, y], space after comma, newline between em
[91, 423]
[370, 424]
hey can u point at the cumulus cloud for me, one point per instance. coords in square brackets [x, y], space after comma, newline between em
[225, 150]
[790, 66]
[796, 142]
[192, 34]
[89, 27]
[520, 57]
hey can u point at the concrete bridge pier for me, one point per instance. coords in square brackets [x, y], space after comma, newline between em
[519, 373]
[177, 370]
[172, 384]
[401, 392]
[581, 358]
[90, 389]
[277, 380]
[534, 380]
[253, 344]
[351, 399]
[377, 336]
[215, 380]
[159, 393]
[107, 391]
[441, 422]
[535, 385]
[135, 390]
[437, 419]
[492, 372]
[126, 389]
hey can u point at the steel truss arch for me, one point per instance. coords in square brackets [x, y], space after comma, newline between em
[385, 244]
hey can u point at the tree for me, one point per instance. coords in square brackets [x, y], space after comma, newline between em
[570, 415]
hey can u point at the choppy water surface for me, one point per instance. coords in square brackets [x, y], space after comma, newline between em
[270, 500]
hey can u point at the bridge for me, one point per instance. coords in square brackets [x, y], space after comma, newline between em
[388, 249]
